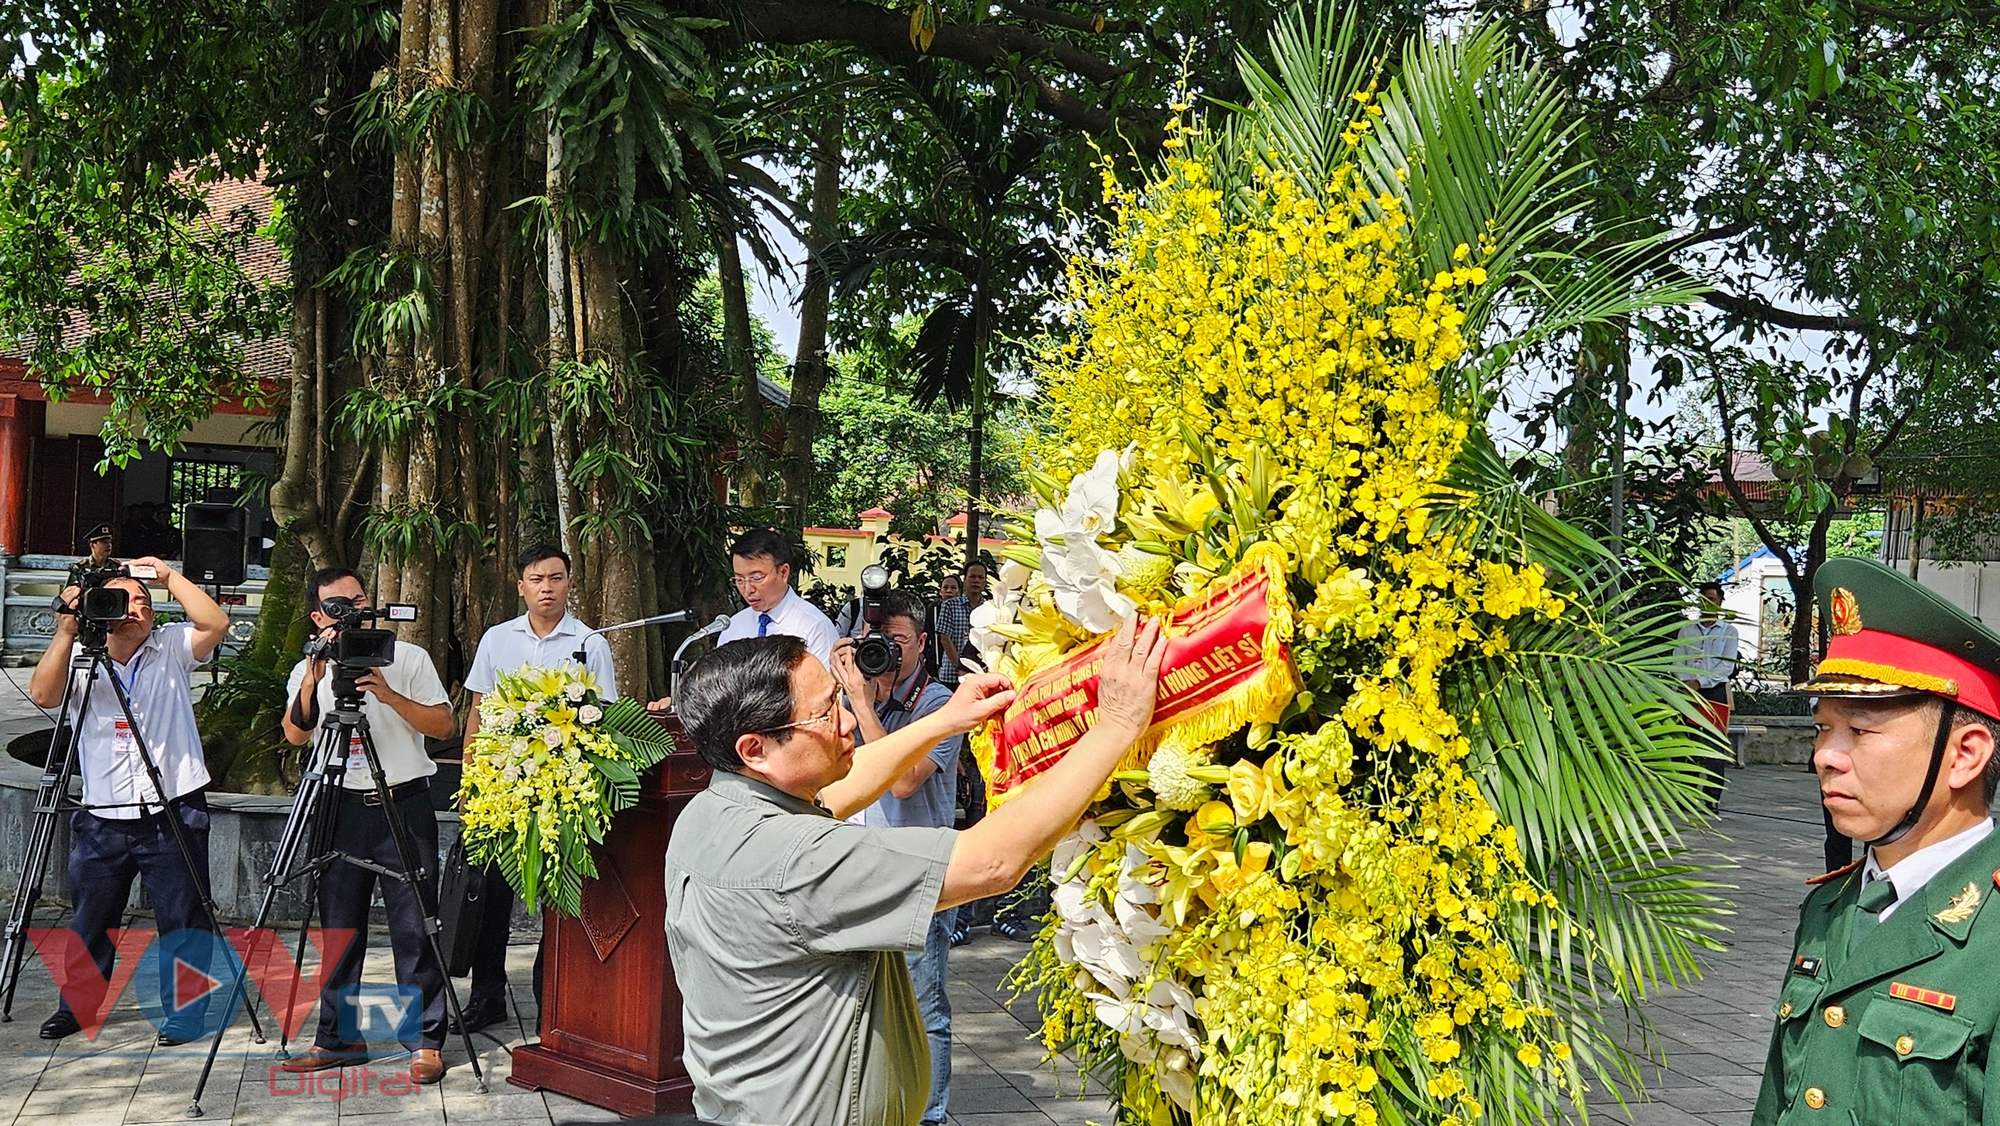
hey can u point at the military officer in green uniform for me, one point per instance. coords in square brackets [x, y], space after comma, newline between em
[1888, 1012]
[98, 543]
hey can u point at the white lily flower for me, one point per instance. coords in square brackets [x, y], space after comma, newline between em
[1074, 844]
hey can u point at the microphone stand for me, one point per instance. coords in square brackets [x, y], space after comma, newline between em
[655, 620]
[678, 665]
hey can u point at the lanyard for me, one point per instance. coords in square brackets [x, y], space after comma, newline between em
[133, 687]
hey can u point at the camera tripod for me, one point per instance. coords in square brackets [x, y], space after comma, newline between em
[90, 661]
[306, 849]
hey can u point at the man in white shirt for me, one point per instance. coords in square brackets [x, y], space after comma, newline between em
[546, 636]
[1709, 651]
[402, 702]
[122, 832]
[1890, 1006]
[762, 563]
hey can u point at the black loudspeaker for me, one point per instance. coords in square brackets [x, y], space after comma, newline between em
[212, 543]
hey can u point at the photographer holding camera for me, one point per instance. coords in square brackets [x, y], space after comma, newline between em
[121, 831]
[924, 796]
[403, 702]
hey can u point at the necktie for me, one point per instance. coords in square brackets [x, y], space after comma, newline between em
[1876, 895]
[763, 624]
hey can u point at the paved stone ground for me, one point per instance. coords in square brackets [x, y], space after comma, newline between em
[1707, 1051]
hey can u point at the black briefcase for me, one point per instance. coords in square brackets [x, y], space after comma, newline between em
[461, 908]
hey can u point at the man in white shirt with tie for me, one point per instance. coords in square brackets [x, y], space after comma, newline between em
[1890, 1005]
[546, 636]
[761, 561]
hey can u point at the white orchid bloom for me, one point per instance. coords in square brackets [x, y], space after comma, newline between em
[1092, 505]
[1098, 606]
[1104, 950]
[1011, 579]
[1175, 1071]
[982, 636]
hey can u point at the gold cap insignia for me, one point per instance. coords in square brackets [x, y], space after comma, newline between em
[1846, 612]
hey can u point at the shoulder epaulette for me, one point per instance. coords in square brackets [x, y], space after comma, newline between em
[1839, 872]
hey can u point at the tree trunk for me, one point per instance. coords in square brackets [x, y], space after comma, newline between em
[809, 369]
[295, 495]
[975, 445]
[740, 356]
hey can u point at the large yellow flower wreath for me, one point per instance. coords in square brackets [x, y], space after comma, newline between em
[1274, 927]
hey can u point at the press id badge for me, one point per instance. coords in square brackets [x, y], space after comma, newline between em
[122, 742]
[357, 757]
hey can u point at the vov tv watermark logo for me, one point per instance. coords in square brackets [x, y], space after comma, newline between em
[190, 983]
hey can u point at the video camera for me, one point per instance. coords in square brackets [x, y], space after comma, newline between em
[99, 607]
[354, 645]
[873, 654]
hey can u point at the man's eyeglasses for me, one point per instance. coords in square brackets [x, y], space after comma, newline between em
[902, 641]
[831, 710]
[756, 578]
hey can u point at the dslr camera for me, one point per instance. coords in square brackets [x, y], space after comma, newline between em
[873, 654]
[355, 645]
[100, 607]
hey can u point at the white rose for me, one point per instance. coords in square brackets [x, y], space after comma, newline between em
[574, 690]
[551, 736]
[589, 713]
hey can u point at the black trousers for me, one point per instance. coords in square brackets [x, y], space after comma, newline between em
[489, 955]
[344, 891]
[107, 853]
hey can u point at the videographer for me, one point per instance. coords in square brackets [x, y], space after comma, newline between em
[121, 831]
[403, 702]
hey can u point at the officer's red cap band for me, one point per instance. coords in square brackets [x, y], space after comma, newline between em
[1898, 660]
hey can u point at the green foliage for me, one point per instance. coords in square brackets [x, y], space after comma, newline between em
[875, 447]
[1592, 751]
[628, 81]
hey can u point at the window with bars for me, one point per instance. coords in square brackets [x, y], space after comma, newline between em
[189, 482]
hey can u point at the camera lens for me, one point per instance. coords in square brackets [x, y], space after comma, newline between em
[874, 656]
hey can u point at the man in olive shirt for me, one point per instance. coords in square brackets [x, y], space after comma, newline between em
[1890, 1004]
[787, 924]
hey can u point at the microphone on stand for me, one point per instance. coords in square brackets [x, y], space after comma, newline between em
[677, 666]
[655, 620]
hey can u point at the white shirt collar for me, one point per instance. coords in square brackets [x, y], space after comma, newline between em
[570, 624]
[1912, 872]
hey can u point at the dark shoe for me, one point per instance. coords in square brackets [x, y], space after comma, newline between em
[62, 1024]
[426, 1066]
[1018, 931]
[481, 1012]
[324, 1059]
[167, 1041]
[960, 935]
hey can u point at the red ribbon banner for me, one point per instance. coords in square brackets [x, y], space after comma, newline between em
[1224, 650]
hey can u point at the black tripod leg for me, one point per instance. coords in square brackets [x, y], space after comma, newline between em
[179, 832]
[307, 815]
[57, 773]
[406, 852]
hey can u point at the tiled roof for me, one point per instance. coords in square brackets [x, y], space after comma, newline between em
[248, 203]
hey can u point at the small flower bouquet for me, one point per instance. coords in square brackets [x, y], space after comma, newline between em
[551, 764]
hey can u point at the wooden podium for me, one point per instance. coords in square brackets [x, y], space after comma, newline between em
[611, 1012]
